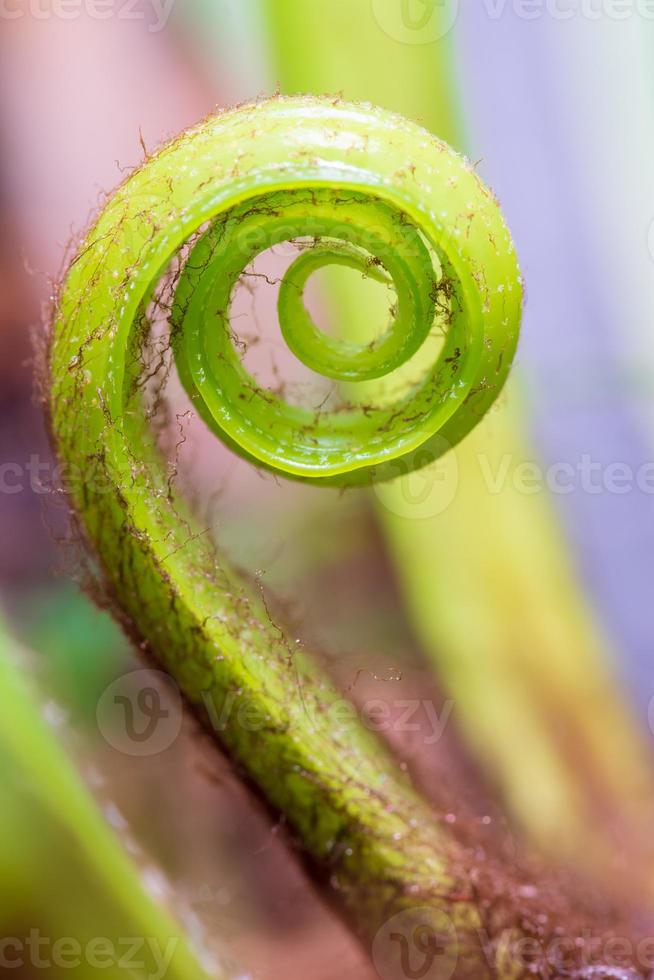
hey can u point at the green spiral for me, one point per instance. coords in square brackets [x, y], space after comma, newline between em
[361, 188]
[372, 192]
[379, 195]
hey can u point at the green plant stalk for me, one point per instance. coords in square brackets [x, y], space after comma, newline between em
[488, 584]
[357, 817]
[62, 870]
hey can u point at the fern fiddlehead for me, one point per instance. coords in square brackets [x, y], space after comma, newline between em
[370, 191]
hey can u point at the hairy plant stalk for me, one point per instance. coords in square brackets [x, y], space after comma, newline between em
[369, 190]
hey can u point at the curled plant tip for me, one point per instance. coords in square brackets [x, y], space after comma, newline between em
[370, 191]
[376, 194]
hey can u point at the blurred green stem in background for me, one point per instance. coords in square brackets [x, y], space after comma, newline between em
[69, 895]
[488, 583]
